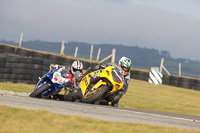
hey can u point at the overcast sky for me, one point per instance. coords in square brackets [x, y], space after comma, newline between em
[172, 25]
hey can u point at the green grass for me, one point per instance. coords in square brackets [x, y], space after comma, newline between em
[18, 120]
[17, 87]
[146, 96]
[143, 95]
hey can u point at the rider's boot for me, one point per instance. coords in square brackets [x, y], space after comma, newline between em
[115, 103]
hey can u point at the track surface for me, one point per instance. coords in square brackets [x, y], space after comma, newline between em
[105, 112]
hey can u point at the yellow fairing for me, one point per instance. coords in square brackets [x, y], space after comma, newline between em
[97, 76]
[100, 83]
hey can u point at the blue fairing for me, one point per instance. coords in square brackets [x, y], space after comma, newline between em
[47, 79]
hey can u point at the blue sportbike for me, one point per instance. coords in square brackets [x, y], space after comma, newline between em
[50, 84]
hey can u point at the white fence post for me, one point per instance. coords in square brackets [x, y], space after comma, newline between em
[62, 48]
[98, 54]
[76, 50]
[20, 41]
[91, 52]
[113, 55]
[179, 69]
[108, 57]
[161, 65]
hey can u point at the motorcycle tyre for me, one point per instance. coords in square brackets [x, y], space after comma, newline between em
[39, 91]
[94, 97]
[68, 97]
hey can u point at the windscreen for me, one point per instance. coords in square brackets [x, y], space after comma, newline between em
[117, 74]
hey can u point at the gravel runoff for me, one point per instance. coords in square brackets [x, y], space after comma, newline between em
[5, 92]
[96, 111]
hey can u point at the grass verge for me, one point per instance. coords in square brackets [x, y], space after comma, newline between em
[25, 120]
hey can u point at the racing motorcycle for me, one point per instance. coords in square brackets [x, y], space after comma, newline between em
[50, 84]
[97, 85]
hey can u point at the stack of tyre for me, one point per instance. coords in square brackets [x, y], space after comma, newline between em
[197, 84]
[17, 65]
[183, 82]
[21, 65]
[139, 75]
[165, 79]
[20, 69]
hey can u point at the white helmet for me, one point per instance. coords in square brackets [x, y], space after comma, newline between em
[76, 66]
[125, 64]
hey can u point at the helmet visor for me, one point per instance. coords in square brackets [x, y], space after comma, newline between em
[74, 69]
[126, 69]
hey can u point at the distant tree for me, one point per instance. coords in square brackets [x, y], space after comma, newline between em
[165, 54]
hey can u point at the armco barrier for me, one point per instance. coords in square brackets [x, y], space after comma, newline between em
[21, 65]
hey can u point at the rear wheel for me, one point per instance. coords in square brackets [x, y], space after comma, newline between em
[92, 96]
[39, 91]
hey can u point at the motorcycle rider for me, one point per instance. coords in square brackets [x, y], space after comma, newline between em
[68, 72]
[125, 65]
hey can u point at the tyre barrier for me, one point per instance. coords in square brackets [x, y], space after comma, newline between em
[93, 64]
[38, 55]
[173, 81]
[54, 59]
[23, 52]
[37, 61]
[66, 61]
[46, 62]
[86, 65]
[19, 65]
[7, 49]
[140, 75]
[132, 73]
[20, 69]
[185, 82]
[197, 85]
[2, 58]
[165, 79]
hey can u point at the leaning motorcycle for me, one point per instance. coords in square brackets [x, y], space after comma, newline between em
[50, 84]
[97, 85]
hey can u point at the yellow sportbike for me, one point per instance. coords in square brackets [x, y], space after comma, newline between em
[97, 85]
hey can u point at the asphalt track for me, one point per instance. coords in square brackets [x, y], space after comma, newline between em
[105, 112]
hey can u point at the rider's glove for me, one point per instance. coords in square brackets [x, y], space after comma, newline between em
[52, 67]
[103, 65]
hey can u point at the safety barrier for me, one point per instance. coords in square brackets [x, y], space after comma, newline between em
[155, 77]
[21, 65]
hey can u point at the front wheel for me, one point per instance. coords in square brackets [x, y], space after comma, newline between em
[39, 91]
[92, 96]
